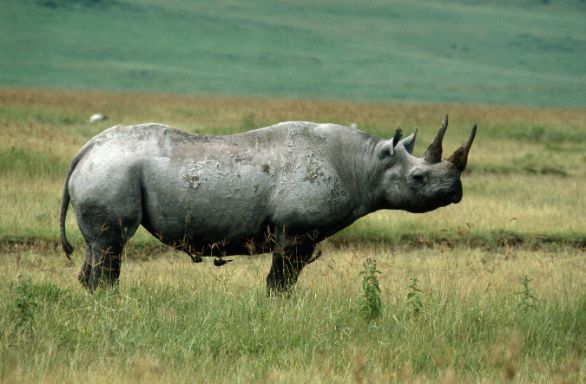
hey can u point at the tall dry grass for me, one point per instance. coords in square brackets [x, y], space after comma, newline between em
[526, 170]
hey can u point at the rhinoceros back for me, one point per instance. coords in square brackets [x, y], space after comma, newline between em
[207, 189]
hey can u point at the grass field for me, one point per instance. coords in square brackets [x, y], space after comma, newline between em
[501, 277]
[173, 321]
[529, 52]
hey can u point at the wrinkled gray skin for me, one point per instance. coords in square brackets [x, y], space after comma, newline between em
[280, 189]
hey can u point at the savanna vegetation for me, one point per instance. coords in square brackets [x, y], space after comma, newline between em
[490, 290]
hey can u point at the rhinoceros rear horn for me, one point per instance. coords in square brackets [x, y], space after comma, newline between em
[433, 154]
[460, 157]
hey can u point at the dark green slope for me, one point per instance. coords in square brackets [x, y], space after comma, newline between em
[529, 53]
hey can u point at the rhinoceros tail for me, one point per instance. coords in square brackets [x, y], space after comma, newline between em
[67, 247]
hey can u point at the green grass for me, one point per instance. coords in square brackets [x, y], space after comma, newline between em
[175, 321]
[507, 53]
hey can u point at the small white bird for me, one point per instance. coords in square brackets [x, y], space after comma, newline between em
[97, 117]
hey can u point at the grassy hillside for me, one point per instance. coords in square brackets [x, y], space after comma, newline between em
[524, 182]
[529, 53]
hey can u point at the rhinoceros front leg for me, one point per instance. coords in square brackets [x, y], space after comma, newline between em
[291, 254]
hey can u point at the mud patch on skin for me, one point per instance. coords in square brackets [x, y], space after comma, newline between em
[192, 174]
[192, 181]
[312, 170]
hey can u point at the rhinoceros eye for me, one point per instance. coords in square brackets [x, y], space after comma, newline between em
[418, 177]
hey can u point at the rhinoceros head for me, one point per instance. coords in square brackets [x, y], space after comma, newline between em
[422, 184]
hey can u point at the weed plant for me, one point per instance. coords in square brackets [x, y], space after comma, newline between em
[527, 299]
[371, 306]
[414, 299]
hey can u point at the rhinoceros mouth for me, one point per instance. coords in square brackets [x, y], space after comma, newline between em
[452, 197]
[455, 196]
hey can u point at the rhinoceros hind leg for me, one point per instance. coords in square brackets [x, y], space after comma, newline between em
[105, 265]
[86, 269]
[105, 240]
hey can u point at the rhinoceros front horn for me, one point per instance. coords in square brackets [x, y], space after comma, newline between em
[433, 154]
[460, 157]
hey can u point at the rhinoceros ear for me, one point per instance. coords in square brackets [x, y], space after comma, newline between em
[387, 149]
[409, 142]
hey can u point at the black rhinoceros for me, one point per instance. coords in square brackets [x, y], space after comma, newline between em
[279, 189]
